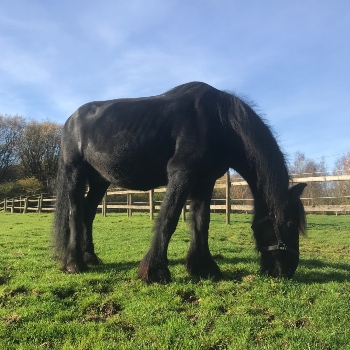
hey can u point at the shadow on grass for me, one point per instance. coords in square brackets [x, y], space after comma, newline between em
[318, 271]
[113, 267]
[309, 271]
[234, 274]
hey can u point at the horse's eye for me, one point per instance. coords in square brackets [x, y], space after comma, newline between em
[290, 224]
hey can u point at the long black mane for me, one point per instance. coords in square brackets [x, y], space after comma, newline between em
[263, 154]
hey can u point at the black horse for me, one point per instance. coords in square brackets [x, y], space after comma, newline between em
[185, 138]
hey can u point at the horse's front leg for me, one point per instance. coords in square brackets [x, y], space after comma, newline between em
[154, 265]
[199, 261]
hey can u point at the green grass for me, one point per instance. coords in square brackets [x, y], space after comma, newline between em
[109, 308]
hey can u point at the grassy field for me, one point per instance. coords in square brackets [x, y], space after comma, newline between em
[109, 308]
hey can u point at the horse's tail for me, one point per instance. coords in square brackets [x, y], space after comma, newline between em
[60, 230]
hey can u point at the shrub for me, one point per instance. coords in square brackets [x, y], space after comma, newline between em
[24, 187]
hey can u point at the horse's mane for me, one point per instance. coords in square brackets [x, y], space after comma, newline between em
[262, 151]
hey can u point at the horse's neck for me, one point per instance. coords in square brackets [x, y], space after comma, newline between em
[261, 194]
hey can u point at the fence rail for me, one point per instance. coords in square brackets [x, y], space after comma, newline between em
[123, 200]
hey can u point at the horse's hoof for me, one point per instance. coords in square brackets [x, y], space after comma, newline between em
[74, 268]
[208, 269]
[207, 273]
[92, 259]
[154, 275]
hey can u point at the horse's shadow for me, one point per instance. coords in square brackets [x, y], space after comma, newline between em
[316, 273]
[313, 270]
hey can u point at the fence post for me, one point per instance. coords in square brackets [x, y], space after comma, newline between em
[151, 204]
[40, 201]
[104, 205]
[25, 209]
[129, 203]
[183, 213]
[12, 205]
[228, 199]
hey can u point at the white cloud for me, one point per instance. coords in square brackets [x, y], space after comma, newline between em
[23, 68]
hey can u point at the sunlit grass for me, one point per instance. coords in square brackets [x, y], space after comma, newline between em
[109, 308]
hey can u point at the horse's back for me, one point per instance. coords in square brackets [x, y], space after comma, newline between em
[130, 141]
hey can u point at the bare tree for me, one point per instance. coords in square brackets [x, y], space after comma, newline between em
[343, 165]
[306, 167]
[341, 189]
[11, 129]
[39, 150]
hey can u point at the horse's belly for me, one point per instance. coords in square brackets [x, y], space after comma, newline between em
[131, 168]
[137, 177]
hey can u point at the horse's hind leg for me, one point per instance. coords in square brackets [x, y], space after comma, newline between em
[199, 261]
[92, 200]
[76, 179]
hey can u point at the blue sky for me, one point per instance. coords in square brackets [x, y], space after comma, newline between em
[290, 57]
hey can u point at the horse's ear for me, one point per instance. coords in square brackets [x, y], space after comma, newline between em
[296, 191]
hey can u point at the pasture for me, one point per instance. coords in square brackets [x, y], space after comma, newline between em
[108, 307]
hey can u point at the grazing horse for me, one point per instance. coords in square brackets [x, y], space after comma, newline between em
[185, 138]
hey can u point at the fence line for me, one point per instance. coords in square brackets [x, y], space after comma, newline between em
[46, 203]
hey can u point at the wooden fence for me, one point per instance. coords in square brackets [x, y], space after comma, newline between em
[124, 201]
[36, 203]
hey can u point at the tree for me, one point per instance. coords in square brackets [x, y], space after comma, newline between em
[11, 129]
[341, 189]
[342, 165]
[39, 150]
[306, 167]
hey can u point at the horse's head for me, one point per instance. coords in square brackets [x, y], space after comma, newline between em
[279, 243]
